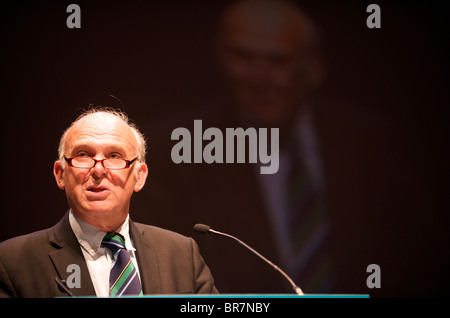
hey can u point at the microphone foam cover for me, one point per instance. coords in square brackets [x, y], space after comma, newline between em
[202, 228]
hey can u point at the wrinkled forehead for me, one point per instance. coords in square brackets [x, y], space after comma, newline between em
[101, 131]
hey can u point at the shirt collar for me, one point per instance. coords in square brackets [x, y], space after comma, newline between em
[90, 238]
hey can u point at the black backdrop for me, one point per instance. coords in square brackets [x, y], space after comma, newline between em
[157, 57]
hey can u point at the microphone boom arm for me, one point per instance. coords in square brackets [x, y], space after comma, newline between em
[297, 289]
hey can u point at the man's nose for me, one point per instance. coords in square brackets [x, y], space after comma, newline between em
[99, 170]
[258, 73]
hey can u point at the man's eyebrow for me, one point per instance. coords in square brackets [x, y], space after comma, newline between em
[78, 146]
[107, 147]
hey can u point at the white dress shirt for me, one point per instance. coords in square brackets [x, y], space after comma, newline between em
[99, 259]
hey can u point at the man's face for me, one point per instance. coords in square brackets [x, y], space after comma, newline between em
[265, 60]
[99, 196]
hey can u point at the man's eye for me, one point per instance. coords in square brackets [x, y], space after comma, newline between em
[82, 154]
[115, 156]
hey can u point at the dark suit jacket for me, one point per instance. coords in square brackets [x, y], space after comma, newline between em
[169, 263]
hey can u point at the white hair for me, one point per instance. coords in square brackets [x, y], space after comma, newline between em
[141, 142]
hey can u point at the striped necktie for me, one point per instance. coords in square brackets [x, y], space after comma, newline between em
[123, 279]
[308, 228]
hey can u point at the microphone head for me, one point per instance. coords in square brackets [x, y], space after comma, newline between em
[201, 228]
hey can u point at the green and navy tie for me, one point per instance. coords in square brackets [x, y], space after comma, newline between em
[309, 229]
[123, 279]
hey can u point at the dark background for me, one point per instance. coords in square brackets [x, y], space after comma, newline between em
[157, 58]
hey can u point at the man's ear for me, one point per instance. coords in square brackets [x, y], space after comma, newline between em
[58, 172]
[141, 177]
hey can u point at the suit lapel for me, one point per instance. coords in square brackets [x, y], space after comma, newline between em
[147, 259]
[67, 251]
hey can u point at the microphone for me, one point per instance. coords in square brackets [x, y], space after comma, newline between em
[63, 287]
[205, 229]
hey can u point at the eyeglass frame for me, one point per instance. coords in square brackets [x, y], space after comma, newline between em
[128, 163]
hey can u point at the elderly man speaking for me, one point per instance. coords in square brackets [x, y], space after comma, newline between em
[96, 249]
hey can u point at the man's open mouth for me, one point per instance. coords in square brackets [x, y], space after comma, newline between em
[97, 189]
